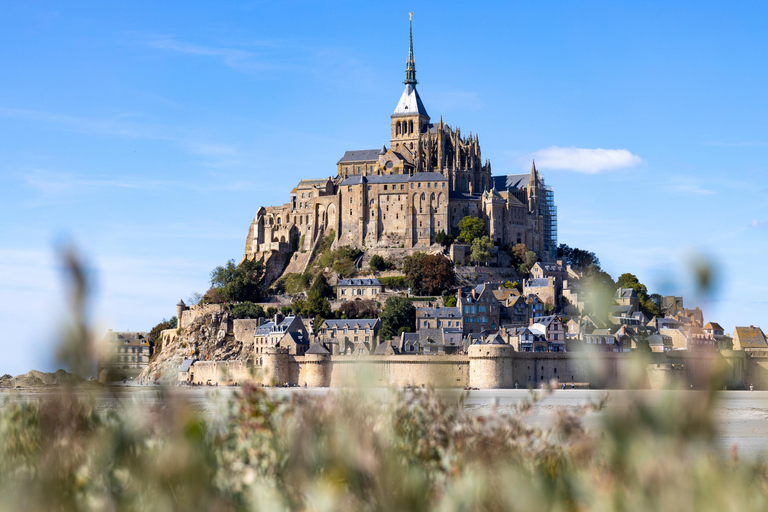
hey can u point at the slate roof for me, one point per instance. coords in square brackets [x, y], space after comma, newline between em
[536, 283]
[713, 326]
[513, 181]
[376, 179]
[382, 348]
[624, 293]
[410, 103]
[371, 281]
[360, 155]
[361, 322]
[751, 337]
[298, 338]
[317, 349]
[264, 329]
[185, 365]
[439, 312]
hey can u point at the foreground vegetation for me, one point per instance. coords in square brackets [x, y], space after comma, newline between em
[347, 451]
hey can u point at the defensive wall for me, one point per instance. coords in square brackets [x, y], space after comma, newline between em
[498, 366]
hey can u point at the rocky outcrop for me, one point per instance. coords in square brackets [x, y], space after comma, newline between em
[213, 335]
[37, 379]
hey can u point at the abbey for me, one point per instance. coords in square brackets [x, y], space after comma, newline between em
[427, 180]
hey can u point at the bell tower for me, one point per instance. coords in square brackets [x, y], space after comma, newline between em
[410, 118]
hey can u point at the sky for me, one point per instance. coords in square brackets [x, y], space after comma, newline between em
[147, 134]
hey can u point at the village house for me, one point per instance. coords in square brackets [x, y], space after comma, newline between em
[479, 309]
[122, 354]
[543, 288]
[289, 332]
[749, 339]
[354, 289]
[358, 336]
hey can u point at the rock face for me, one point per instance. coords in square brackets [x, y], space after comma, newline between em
[211, 335]
[37, 379]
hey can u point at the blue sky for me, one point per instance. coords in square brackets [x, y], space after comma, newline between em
[148, 135]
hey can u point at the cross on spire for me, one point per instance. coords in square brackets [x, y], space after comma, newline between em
[410, 66]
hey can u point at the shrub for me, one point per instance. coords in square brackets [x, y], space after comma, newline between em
[393, 282]
[377, 263]
[247, 310]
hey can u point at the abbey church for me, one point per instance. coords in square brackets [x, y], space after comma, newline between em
[427, 180]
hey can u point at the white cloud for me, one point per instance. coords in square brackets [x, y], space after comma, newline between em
[759, 224]
[589, 161]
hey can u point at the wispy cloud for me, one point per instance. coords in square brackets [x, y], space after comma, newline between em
[744, 144]
[757, 224]
[589, 161]
[688, 185]
[230, 57]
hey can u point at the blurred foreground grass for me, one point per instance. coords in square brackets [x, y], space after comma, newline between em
[351, 451]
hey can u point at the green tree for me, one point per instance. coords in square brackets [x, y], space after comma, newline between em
[358, 309]
[444, 239]
[247, 310]
[471, 228]
[154, 334]
[577, 257]
[650, 305]
[271, 311]
[286, 310]
[239, 283]
[529, 260]
[429, 274]
[320, 288]
[481, 249]
[377, 263]
[450, 301]
[398, 313]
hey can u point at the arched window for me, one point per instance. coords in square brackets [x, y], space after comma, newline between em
[410, 128]
[397, 128]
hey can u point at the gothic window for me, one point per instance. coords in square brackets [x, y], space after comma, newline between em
[350, 212]
[410, 130]
[411, 145]
[350, 200]
[397, 128]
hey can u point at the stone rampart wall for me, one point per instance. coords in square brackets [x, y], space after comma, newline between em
[222, 372]
[497, 366]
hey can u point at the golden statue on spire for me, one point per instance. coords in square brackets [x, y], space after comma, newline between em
[410, 16]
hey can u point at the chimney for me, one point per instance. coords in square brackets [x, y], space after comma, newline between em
[474, 293]
[560, 262]
[458, 297]
[278, 318]
[530, 321]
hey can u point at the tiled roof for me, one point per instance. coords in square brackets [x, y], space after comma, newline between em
[750, 337]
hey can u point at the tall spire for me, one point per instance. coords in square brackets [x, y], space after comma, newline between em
[410, 67]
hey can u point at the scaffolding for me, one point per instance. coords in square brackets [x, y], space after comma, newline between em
[548, 210]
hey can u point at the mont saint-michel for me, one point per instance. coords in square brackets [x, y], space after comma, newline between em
[427, 180]
[416, 265]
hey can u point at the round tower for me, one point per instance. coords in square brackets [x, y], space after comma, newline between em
[180, 308]
[490, 366]
[277, 369]
[317, 370]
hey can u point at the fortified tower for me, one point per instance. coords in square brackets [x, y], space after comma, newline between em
[490, 366]
[277, 366]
